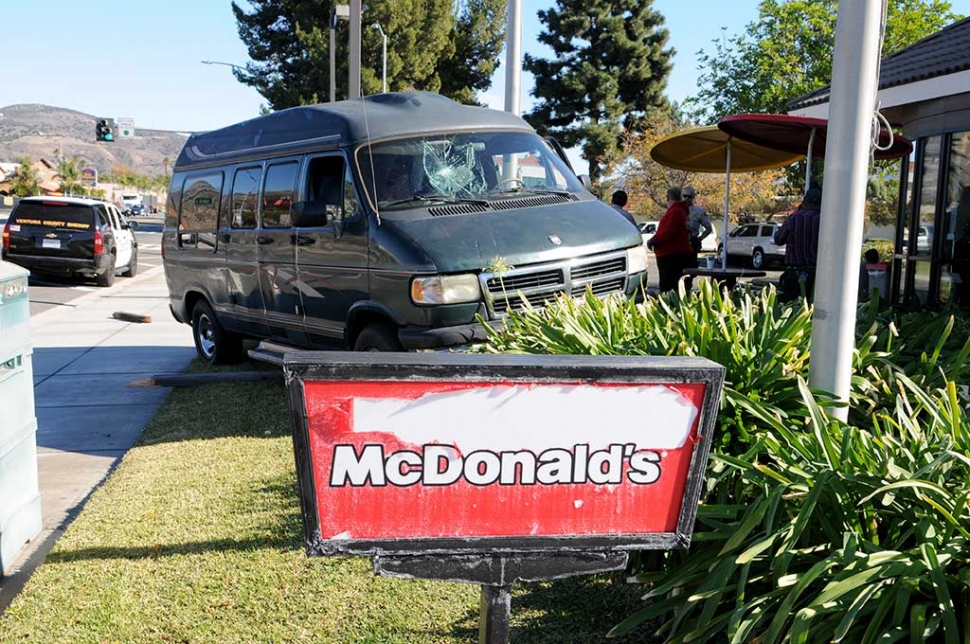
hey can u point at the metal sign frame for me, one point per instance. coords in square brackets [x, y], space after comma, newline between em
[300, 367]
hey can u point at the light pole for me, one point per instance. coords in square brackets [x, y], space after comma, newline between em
[339, 12]
[377, 26]
[242, 70]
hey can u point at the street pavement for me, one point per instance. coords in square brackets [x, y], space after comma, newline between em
[87, 414]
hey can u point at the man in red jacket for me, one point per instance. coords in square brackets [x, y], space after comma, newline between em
[671, 243]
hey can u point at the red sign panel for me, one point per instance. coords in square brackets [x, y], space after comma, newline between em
[402, 459]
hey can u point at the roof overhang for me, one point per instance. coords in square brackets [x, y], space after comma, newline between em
[907, 94]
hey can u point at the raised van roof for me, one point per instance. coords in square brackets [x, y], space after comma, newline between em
[342, 123]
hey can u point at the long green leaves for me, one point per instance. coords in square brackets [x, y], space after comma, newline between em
[811, 529]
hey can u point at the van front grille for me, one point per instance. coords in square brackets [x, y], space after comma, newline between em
[537, 285]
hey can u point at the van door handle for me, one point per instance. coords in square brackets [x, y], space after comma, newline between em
[262, 239]
[302, 240]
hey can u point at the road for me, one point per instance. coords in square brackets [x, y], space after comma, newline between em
[48, 292]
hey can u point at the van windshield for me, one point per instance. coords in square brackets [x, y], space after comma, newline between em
[400, 173]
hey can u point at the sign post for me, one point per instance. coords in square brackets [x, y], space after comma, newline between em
[494, 469]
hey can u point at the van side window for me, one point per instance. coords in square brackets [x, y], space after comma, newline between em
[278, 194]
[329, 182]
[245, 197]
[199, 216]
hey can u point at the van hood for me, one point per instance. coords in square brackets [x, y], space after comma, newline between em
[470, 242]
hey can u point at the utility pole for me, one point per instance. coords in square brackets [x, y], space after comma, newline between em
[513, 71]
[355, 23]
[339, 12]
[855, 65]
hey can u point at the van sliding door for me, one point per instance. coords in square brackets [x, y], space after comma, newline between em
[276, 251]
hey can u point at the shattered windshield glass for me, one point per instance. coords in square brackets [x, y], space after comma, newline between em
[460, 167]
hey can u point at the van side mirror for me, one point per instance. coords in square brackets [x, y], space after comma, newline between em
[586, 181]
[309, 214]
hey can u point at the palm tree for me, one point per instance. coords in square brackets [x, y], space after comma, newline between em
[26, 179]
[69, 173]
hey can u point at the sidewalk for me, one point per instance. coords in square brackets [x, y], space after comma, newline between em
[87, 415]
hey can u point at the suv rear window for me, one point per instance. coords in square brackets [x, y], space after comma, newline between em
[52, 215]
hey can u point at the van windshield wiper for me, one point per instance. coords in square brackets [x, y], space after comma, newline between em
[434, 198]
[538, 191]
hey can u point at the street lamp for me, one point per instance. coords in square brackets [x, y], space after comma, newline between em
[242, 70]
[377, 26]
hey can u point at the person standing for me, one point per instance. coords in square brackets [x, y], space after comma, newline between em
[671, 242]
[618, 202]
[799, 234]
[698, 222]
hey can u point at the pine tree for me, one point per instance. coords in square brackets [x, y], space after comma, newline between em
[609, 68]
[433, 45]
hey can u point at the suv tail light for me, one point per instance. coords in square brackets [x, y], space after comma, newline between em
[6, 235]
[98, 242]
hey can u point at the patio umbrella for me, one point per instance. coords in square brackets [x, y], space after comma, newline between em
[709, 149]
[800, 134]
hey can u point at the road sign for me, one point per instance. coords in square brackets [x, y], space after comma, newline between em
[89, 177]
[125, 128]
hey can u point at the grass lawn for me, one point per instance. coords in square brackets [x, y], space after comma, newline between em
[196, 537]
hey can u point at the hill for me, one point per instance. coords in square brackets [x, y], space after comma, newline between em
[38, 130]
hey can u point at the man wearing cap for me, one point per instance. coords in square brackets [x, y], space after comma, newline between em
[698, 222]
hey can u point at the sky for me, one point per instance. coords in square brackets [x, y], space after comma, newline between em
[141, 60]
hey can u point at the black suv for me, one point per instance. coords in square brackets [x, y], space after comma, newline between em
[69, 236]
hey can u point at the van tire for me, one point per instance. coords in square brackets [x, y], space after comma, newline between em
[379, 336]
[214, 344]
[132, 269]
[107, 278]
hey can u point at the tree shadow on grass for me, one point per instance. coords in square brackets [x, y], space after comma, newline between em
[577, 610]
[283, 531]
[219, 410]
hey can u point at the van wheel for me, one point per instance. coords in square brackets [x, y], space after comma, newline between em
[132, 269]
[214, 344]
[378, 337]
[758, 258]
[107, 278]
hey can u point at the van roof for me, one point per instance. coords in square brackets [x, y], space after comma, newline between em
[341, 123]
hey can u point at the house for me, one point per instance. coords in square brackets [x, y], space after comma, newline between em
[924, 90]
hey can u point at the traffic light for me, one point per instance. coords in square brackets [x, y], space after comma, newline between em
[103, 130]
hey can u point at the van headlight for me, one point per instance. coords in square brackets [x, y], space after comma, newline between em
[446, 289]
[636, 259]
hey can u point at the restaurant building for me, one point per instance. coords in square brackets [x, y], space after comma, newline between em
[924, 90]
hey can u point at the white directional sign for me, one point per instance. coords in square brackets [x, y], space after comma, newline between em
[125, 128]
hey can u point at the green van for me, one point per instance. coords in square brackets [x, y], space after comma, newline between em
[385, 223]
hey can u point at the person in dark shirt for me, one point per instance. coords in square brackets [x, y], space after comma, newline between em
[618, 201]
[671, 243]
[799, 234]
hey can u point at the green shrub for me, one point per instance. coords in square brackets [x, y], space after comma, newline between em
[811, 530]
[762, 344]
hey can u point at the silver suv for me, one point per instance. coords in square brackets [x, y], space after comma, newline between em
[755, 243]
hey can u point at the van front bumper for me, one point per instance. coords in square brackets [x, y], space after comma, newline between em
[442, 337]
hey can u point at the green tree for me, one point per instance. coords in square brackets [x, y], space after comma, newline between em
[289, 43]
[787, 52]
[609, 67]
[69, 175]
[26, 179]
[478, 36]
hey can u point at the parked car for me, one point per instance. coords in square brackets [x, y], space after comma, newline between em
[755, 243]
[393, 222]
[647, 230]
[71, 236]
[708, 245]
